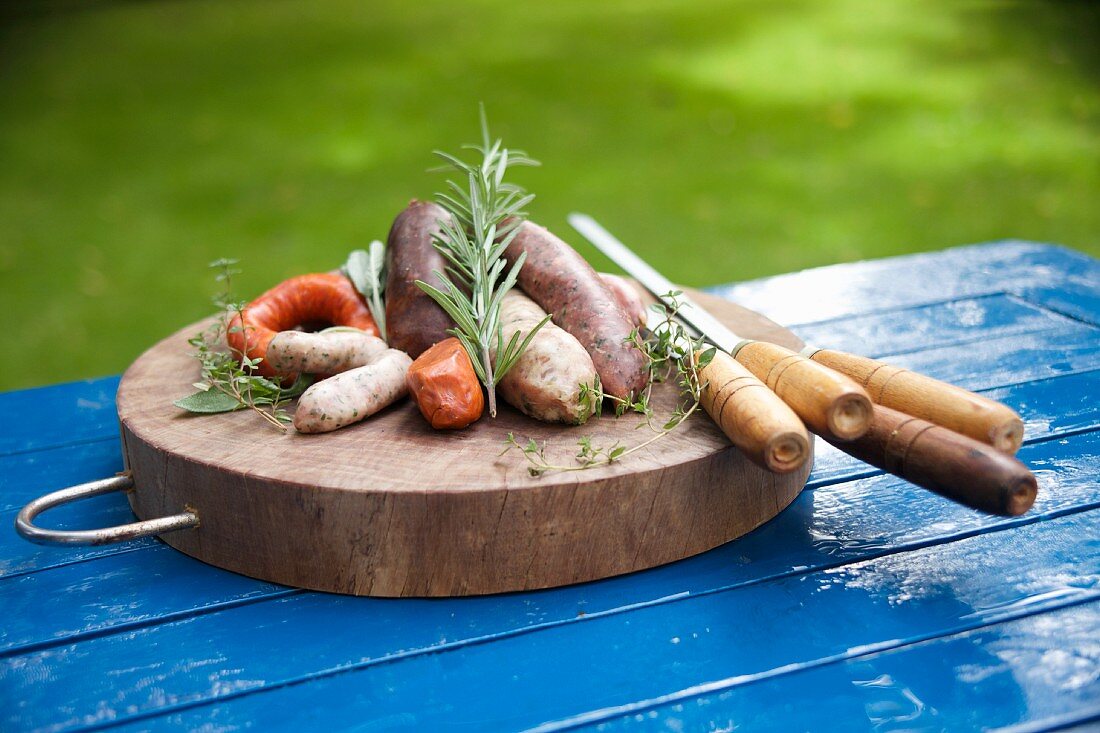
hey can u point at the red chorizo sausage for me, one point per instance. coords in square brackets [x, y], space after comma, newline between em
[414, 321]
[566, 286]
[445, 386]
[320, 298]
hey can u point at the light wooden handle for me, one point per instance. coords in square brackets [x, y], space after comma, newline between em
[952, 465]
[752, 416]
[831, 404]
[930, 399]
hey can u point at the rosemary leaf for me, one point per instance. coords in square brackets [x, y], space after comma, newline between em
[483, 218]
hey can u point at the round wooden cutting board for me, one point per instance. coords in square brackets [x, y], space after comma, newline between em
[390, 507]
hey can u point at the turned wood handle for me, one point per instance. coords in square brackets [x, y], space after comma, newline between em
[943, 404]
[952, 465]
[831, 404]
[752, 416]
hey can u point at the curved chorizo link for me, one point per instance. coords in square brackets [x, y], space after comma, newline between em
[306, 300]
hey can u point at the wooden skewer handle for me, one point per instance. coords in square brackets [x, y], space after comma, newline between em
[943, 404]
[752, 416]
[831, 404]
[952, 465]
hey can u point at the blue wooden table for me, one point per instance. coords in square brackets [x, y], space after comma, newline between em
[867, 605]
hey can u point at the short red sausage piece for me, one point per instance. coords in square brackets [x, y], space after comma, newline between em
[320, 299]
[445, 386]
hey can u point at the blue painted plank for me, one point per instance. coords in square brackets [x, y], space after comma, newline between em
[1054, 406]
[29, 475]
[1009, 360]
[822, 532]
[26, 476]
[611, 660]
[840, 291]
[114, 593]
[1034, 672]
[968, 320]
[59, 415]
[18, 556]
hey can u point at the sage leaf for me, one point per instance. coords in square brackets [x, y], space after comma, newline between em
[209, 402]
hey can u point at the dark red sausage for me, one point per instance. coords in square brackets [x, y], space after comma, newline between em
[322, 298]
[414, 321]
[566, 286]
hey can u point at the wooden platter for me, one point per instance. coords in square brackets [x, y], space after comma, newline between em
[390, 507]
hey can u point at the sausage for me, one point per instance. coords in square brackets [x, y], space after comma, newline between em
[304, 300]
[413, 320]
[545, 382]
[327, 352]
[445, 386]
[563, 284]
[626, 295]
[350, 396]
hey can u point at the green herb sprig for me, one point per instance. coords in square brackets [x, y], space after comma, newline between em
[367, 271]
[671, 353]
[228, 380]
[485, 214]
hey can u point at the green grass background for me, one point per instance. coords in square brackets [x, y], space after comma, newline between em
[724, 140]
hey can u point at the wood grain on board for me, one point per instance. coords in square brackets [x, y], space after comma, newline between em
[390, 507]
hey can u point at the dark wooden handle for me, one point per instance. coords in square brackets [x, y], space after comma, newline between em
[752, 416]
[952, 465]
[831, 404]
[944, 404]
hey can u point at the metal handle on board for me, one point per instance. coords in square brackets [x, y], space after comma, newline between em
[24, 523]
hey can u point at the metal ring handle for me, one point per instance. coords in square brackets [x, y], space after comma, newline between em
[24, 523]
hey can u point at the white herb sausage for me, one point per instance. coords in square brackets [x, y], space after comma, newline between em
[545, 382]
[327, 352]
[350, 396]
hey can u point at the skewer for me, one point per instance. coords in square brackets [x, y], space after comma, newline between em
[916, 394]
[831, 404]
[952, 442]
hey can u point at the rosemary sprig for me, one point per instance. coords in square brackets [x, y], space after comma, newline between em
[228, 382]
[671, 353]
[367, 271]
[484, 217]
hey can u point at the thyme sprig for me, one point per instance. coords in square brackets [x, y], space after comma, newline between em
[485, 214]
[671, 354]
[228, 380]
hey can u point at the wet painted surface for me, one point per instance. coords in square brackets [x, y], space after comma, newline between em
[867, 605]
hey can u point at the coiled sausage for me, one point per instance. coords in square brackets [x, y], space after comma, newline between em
[319, 298]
